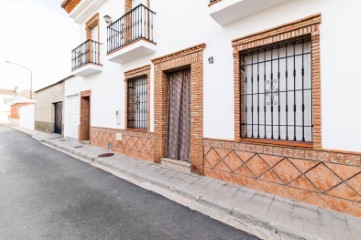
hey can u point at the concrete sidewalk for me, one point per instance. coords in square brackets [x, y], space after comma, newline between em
[261, 214]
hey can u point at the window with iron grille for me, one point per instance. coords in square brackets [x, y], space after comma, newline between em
[276, 92]
[137, 103]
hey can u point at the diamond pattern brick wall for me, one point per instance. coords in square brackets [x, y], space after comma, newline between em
[324, 178]
[134, 144]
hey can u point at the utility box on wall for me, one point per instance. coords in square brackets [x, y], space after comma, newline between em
[119, 136]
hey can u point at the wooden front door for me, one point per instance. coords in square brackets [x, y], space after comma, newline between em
[58, 118]
[84, 118]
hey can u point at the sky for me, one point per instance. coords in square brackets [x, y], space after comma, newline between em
[37, 34]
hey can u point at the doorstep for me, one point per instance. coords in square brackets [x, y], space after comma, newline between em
[177, 165]
[263, 215]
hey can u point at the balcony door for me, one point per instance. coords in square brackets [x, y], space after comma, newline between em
[95, 33]
[92, 35]
[135, 3]
[140, 26]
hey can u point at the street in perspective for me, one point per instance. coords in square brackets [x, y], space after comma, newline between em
[153, 119]
[46, 194]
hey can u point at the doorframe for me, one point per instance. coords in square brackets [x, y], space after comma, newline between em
[188, 58]
[89, 25]
[84, 94]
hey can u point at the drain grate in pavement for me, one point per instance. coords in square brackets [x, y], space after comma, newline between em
[62, 140]
[104, 155]
[78, 146]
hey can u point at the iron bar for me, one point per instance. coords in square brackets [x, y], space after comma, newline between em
[85, 53]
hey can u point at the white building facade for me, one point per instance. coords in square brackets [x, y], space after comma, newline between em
[259, 93]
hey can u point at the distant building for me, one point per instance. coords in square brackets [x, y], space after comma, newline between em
[5, 108]
[49, 108]
[16, 103]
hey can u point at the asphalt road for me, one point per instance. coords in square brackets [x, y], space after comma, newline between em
[45, 194]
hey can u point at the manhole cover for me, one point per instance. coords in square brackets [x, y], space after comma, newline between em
[78, 147]
[104, 155]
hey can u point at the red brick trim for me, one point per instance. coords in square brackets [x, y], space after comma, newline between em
[141, 71]
[214, 2]
[188, 58]
[180, 53]
[86, 93]
[306, 26]
[69, 5]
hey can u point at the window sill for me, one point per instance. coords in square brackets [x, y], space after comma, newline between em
[277, 142]
[137, 130]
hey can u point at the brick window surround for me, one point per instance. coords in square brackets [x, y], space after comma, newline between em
[131, 74]
[90, 24]
[308, 26]
[188, 58]
[85, 116]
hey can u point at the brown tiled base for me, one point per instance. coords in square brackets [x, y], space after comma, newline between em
[134, 144]
[323, 178]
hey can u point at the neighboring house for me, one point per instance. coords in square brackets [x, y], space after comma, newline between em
[228, 89]
[49, 108]
[5, 108]
[16, 103]
[15, 109]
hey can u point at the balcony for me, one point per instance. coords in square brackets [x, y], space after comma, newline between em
[225, 12]
[131, 36]
[86, 58]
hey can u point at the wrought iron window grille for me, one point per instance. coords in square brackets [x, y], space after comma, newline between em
[276, 91]
[137, 103]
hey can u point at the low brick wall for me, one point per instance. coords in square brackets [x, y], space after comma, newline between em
[134, 144]
[328, 179]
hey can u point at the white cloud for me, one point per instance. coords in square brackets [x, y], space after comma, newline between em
[37, 34]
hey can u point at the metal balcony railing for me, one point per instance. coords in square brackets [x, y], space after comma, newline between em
[134, 25]
[85, 53]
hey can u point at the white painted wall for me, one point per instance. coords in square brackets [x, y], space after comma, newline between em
[27, 116]
[179, 26]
